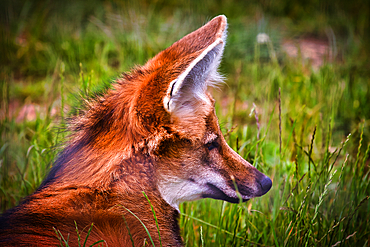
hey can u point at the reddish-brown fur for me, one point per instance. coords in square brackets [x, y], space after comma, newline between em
[126, 143]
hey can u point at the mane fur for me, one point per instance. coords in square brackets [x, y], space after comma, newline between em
[109, 131]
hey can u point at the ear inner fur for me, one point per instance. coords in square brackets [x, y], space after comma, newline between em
[198, 83]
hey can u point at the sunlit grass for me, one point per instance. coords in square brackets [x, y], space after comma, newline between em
[312, 138]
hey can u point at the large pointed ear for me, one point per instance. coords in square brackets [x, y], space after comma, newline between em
[204, 47]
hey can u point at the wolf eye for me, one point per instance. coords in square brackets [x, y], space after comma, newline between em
[212, 145]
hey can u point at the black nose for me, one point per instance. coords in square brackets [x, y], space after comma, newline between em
[266, 184]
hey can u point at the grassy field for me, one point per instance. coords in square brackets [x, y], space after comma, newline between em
[305, 126]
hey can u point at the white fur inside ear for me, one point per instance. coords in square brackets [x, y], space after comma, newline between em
[167, 98]
[190, 87]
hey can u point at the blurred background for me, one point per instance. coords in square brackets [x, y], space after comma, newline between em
[296, 103]
[105, 38]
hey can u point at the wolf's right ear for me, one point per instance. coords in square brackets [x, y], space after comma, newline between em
[188, 90]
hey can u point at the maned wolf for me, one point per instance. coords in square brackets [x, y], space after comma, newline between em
[156, 131]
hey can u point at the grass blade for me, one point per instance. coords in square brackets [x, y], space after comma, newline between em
[155, 217]
[146, 229]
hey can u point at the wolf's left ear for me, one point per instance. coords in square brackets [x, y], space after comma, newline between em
[205, 46]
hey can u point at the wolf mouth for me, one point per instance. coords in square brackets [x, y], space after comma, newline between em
[216, 193]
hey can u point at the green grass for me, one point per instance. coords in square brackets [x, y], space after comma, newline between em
[306, 129]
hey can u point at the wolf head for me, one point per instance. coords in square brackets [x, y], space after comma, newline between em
[194, 160]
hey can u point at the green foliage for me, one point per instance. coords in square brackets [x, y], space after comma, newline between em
[65, 242]
[306, 129]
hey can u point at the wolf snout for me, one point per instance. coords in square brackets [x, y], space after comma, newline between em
[265, 184]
